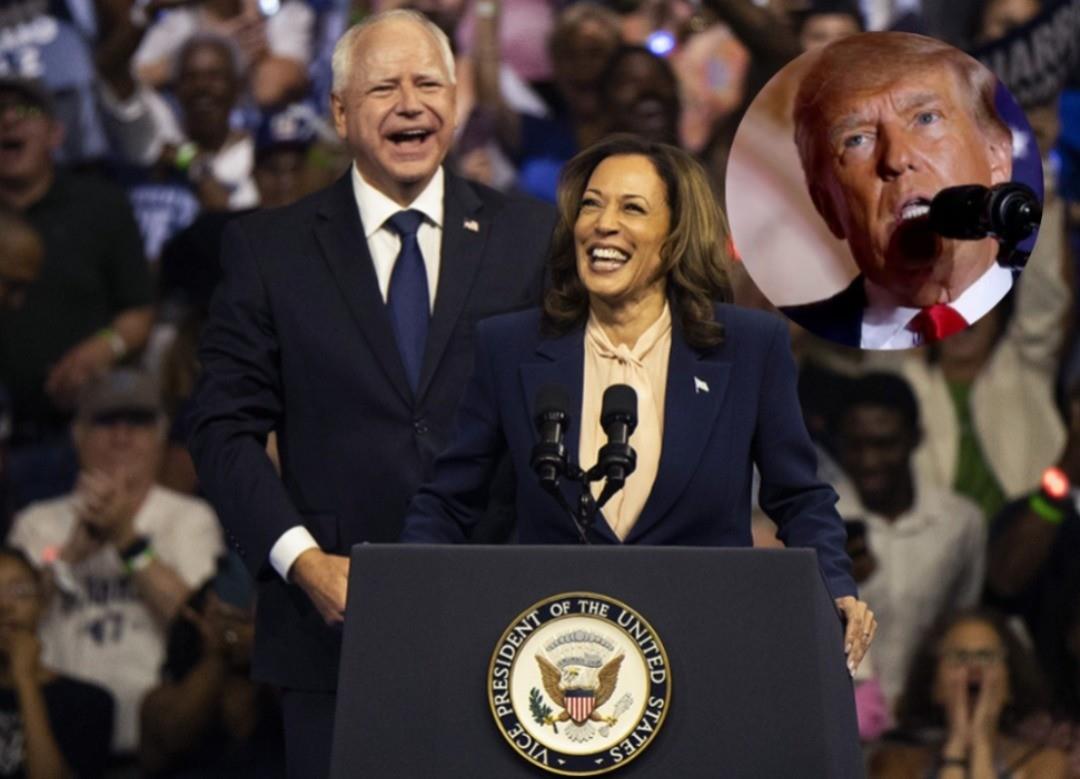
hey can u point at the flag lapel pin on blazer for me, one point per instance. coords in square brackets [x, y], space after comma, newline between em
[700, 386]
[472, 225]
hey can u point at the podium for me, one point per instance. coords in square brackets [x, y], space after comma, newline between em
[754, 649]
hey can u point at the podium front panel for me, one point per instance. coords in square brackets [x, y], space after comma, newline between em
[758, 683]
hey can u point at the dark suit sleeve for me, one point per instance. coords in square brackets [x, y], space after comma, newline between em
[803, 507]
[446, 508]
[237, 403]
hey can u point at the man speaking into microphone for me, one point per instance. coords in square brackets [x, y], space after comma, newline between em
[884, 122]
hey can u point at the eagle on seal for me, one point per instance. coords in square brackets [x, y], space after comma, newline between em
[579, 690]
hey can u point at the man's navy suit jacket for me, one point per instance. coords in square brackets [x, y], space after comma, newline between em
[838, 318]
[299, 341]
[726, 409]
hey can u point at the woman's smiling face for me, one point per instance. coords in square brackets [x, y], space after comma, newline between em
[622, 223]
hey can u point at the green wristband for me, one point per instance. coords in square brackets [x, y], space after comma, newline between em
[1045, 509]
[187, 152]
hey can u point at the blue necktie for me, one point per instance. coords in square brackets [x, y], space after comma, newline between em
[408, 295]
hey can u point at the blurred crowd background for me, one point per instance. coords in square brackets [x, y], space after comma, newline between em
[131, 132]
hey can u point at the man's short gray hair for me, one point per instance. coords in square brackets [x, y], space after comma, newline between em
[342, 60]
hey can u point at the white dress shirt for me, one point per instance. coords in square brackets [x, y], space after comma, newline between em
[931, 561]
[384, 244]
[885, 323]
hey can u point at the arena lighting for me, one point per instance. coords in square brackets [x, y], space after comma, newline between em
[1055, 483]
[660, 43]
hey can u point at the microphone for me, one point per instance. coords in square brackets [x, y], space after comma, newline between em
[617, 460]
[1010, 212]
[552, 421]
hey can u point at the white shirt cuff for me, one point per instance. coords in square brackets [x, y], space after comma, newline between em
[293, 543]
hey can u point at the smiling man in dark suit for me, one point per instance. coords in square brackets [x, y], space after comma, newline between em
[345, 323]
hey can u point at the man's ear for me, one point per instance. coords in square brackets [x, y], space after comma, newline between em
[823, 202]
[999, 151]
[337, 110]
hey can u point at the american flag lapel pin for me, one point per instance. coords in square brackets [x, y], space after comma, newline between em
[700, 386]
[472, 225]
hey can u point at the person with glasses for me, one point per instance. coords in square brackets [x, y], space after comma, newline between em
[91, 304]
[971, 685]
[124, 553]
[50, 724]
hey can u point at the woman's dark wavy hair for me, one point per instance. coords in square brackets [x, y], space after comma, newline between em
[693, 256]
[916, 709]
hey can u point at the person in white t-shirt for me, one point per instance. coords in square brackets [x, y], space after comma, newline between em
[274, 38]
[928, 543]
[124, 553]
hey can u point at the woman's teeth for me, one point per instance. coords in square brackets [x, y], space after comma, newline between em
[607, 258]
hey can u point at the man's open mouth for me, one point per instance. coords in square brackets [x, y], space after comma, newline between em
[410, 137]
[913, 208]
[912, 239]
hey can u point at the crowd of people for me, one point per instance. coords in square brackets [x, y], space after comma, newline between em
[133, 133]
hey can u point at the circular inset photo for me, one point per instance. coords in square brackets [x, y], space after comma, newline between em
[884, 191]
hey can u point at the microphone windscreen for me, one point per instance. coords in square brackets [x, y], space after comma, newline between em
[620, 400]
[960, 212]
[552, 399]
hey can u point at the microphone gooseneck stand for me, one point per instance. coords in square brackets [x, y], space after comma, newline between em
[615, 462]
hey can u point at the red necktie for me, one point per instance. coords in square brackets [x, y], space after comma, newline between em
[937, 322]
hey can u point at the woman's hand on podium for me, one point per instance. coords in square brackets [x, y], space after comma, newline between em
[325, 579]
[861, 627]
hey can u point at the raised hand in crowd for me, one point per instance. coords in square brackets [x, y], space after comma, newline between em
[973, 699]
[107, 504]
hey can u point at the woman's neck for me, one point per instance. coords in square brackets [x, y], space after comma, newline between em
[625, 322]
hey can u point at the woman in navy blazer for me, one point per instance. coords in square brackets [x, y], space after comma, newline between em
[637, 238]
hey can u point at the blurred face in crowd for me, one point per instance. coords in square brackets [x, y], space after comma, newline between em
[822, 29]
[125, 442]
[207, 90]
[972, 653]
[20, 598]
[397, 112]
[21, 255]
[642, 97]
[28, 138]
[887, 152]
[874, 447]
[280, 176]
[621, 226]
[579, 59]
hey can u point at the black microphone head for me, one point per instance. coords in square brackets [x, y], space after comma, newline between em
[552, 400]
[620, 402]
[1015, 211]
[960, 212]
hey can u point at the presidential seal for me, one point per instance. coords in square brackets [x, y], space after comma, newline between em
[579, 684]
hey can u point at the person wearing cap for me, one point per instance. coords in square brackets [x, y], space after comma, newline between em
[89, 307]
[281, 148]
[124, 553]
